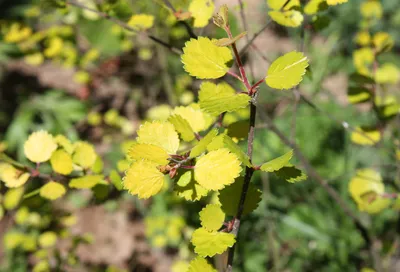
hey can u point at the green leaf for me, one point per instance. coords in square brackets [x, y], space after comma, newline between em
[291, 174]
[216, 99]
[234, 148]
[210, 243]
[200, 265]
[229, 198]
[116, 180]
[85, 182]
[277, 163]
[203, 59]
[188, 188]
[216, 143]
[182, 127]
[287, 71]
[52, 190]
[201, 146]
[212, 217]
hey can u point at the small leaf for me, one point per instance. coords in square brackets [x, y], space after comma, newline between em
[216, 99]
[335, 2]
[141, 21]
[210, 243]
[194, 116]
[182, 127]
[287, 71]
[314, 6]
[39, 146]
[285, 4]
[143, 179]
[387, 73]
[159, 133]
[234, 148]
[85, 182]
[291, 174]
[357, 95]
[148, 152]
[202, 11]
[52, 190]
[203, 59]
[47, 239]
[212, 217]
[383, 42]
[221, 19]
[228, 41]
[188, 188]
[289, 18]
[229, 198]
[217, 169]
[12, 198]
[61, 162]
[116, 180]
[277, 163]
[84, 155]
[200, 265]
[365, 136]
[201, 146]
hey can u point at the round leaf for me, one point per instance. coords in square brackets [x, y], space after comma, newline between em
[212, 217]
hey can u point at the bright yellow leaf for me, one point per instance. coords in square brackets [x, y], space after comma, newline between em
[211, 243]
[61, 162]
[202, 11]
[12, 198]
[161, 134]
[63, 142]
[47, 239]
[312, 6]
[371, 9]
[335, 2]
[195, 117]
[141, 21]
[39, 146]
[52, 190]
[287, 71]
[11, 176]
[362, 58]
[217, 169]
[278, 4]
[200, 265]
[365, 136]
[143, 179]
[86, 182]
[363, 38]
[212, 217]
[203, 59]
[388, 73]
[383, 42]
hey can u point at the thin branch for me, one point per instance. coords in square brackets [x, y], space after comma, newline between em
[125, 26]
[245, 28]
[247, 45]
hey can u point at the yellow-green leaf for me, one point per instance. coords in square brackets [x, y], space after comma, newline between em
[182, 127]
[203, 59]
[200, 265]
[116, 180]
[39, 146]
[313, 6]
[188, 188]
[160, 134]
[141, 21]
[12, 197]
[143, 179]
[85, 182]
[289, 18]
[383, 42]
[52, 190]
[285, 4]
[365, 136]
[229, 198]
[201, 146]
[47, 239]
[211, 243]
[335, 2]
[148, 152]
[371, 9]
[388, 73]
[234, 148]
[277, 163]
[194, 116]
[287, 71]
[217, 169]
[368, 182]
[84, 155]
[216, 99]
[61, 162]
[358, 95]
[202, 11]
[212, 217]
